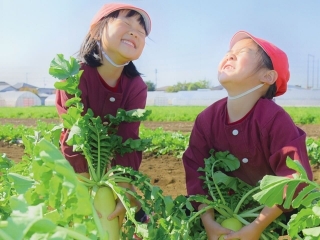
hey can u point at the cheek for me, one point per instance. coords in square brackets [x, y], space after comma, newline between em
[222, 62]
[142, 44]
[220, 65]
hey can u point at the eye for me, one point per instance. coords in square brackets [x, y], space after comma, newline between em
[142, 32]
[126, 23]
[243, 50]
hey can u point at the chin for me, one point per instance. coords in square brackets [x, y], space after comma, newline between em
[222, 80]
[130, 57]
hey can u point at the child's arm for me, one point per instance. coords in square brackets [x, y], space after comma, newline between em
[254, 229]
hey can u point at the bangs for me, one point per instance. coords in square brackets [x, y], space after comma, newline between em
[132, 13]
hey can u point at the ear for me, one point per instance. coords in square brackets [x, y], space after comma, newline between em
[269, 77]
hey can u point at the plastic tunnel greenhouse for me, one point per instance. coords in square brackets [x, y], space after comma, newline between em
[20, 99]
[2, 102]
[50, 100]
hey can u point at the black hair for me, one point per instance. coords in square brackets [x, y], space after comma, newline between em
[90, 53]
[267, 63]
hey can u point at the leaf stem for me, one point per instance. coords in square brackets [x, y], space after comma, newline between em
[215, 184]
[3, 235]
[73, 234]
[86, 181]
[91, 169]
[253, 210]
[200, 212]
[236, 210]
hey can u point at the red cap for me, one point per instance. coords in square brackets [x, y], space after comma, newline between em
[112, 7]
[278, 58]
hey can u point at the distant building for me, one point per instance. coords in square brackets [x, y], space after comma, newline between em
[162, 88]
[20, 99]
[23, 85]
[6, 88]
[3, 83]
[219, 87]
[50, 100]
[48, 91]
[2, 101]
[44, 93]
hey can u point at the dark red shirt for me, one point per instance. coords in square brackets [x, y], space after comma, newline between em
[131, 94]
[261, 141]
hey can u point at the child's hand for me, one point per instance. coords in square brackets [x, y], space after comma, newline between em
[213, 229]
[249, 232]
[120, 210]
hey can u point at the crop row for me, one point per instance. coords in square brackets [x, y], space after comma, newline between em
[162, 142]
[300, 115]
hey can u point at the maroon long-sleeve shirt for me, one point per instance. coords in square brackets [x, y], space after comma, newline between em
[132, 94]
[261, 141]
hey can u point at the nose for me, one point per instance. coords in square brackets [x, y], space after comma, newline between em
[132, 33]
[230, 56]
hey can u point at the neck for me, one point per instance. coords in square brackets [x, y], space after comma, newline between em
[238, 109]
[109, 74]
[239, 105]
[246, 92]
[105, 56]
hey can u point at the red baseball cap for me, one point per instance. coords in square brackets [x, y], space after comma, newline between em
[278, 58]
[112, 7]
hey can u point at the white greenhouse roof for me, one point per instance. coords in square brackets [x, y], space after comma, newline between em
[20, 99]
[50, 100]
[2, 102]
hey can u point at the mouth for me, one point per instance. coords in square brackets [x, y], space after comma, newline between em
[132, 44]
[227, 67]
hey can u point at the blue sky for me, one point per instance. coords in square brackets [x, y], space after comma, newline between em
[187, 40]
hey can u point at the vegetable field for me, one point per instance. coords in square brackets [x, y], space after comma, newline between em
[165, 171]
[42, 197]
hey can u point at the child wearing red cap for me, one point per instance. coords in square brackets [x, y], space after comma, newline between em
[111, 81]
[249, 125]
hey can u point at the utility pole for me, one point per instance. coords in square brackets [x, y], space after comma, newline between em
[44, 82]
[156, 76]
[26, 77]
[310, 56]
[318, 66]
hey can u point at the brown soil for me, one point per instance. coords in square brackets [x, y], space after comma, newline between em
[165, 171]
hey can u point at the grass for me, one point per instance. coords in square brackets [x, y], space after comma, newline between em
[300, 115]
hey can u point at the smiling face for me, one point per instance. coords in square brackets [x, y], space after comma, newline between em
[240, 66]
[123, 38]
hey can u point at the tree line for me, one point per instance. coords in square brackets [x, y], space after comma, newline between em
[182, 86]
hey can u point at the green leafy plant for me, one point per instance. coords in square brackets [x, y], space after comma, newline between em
[307, 220]
[162, 142]
[313, 148]
[45, 180]
[5, 186]
[231, 198]
[99, 144]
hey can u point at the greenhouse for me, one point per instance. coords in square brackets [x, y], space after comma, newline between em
[2, 102]
[20, 99]
[50, 100]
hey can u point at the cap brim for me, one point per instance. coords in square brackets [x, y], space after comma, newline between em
[242, 35]
[239, 36]
[109, 8]
[145, 16]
